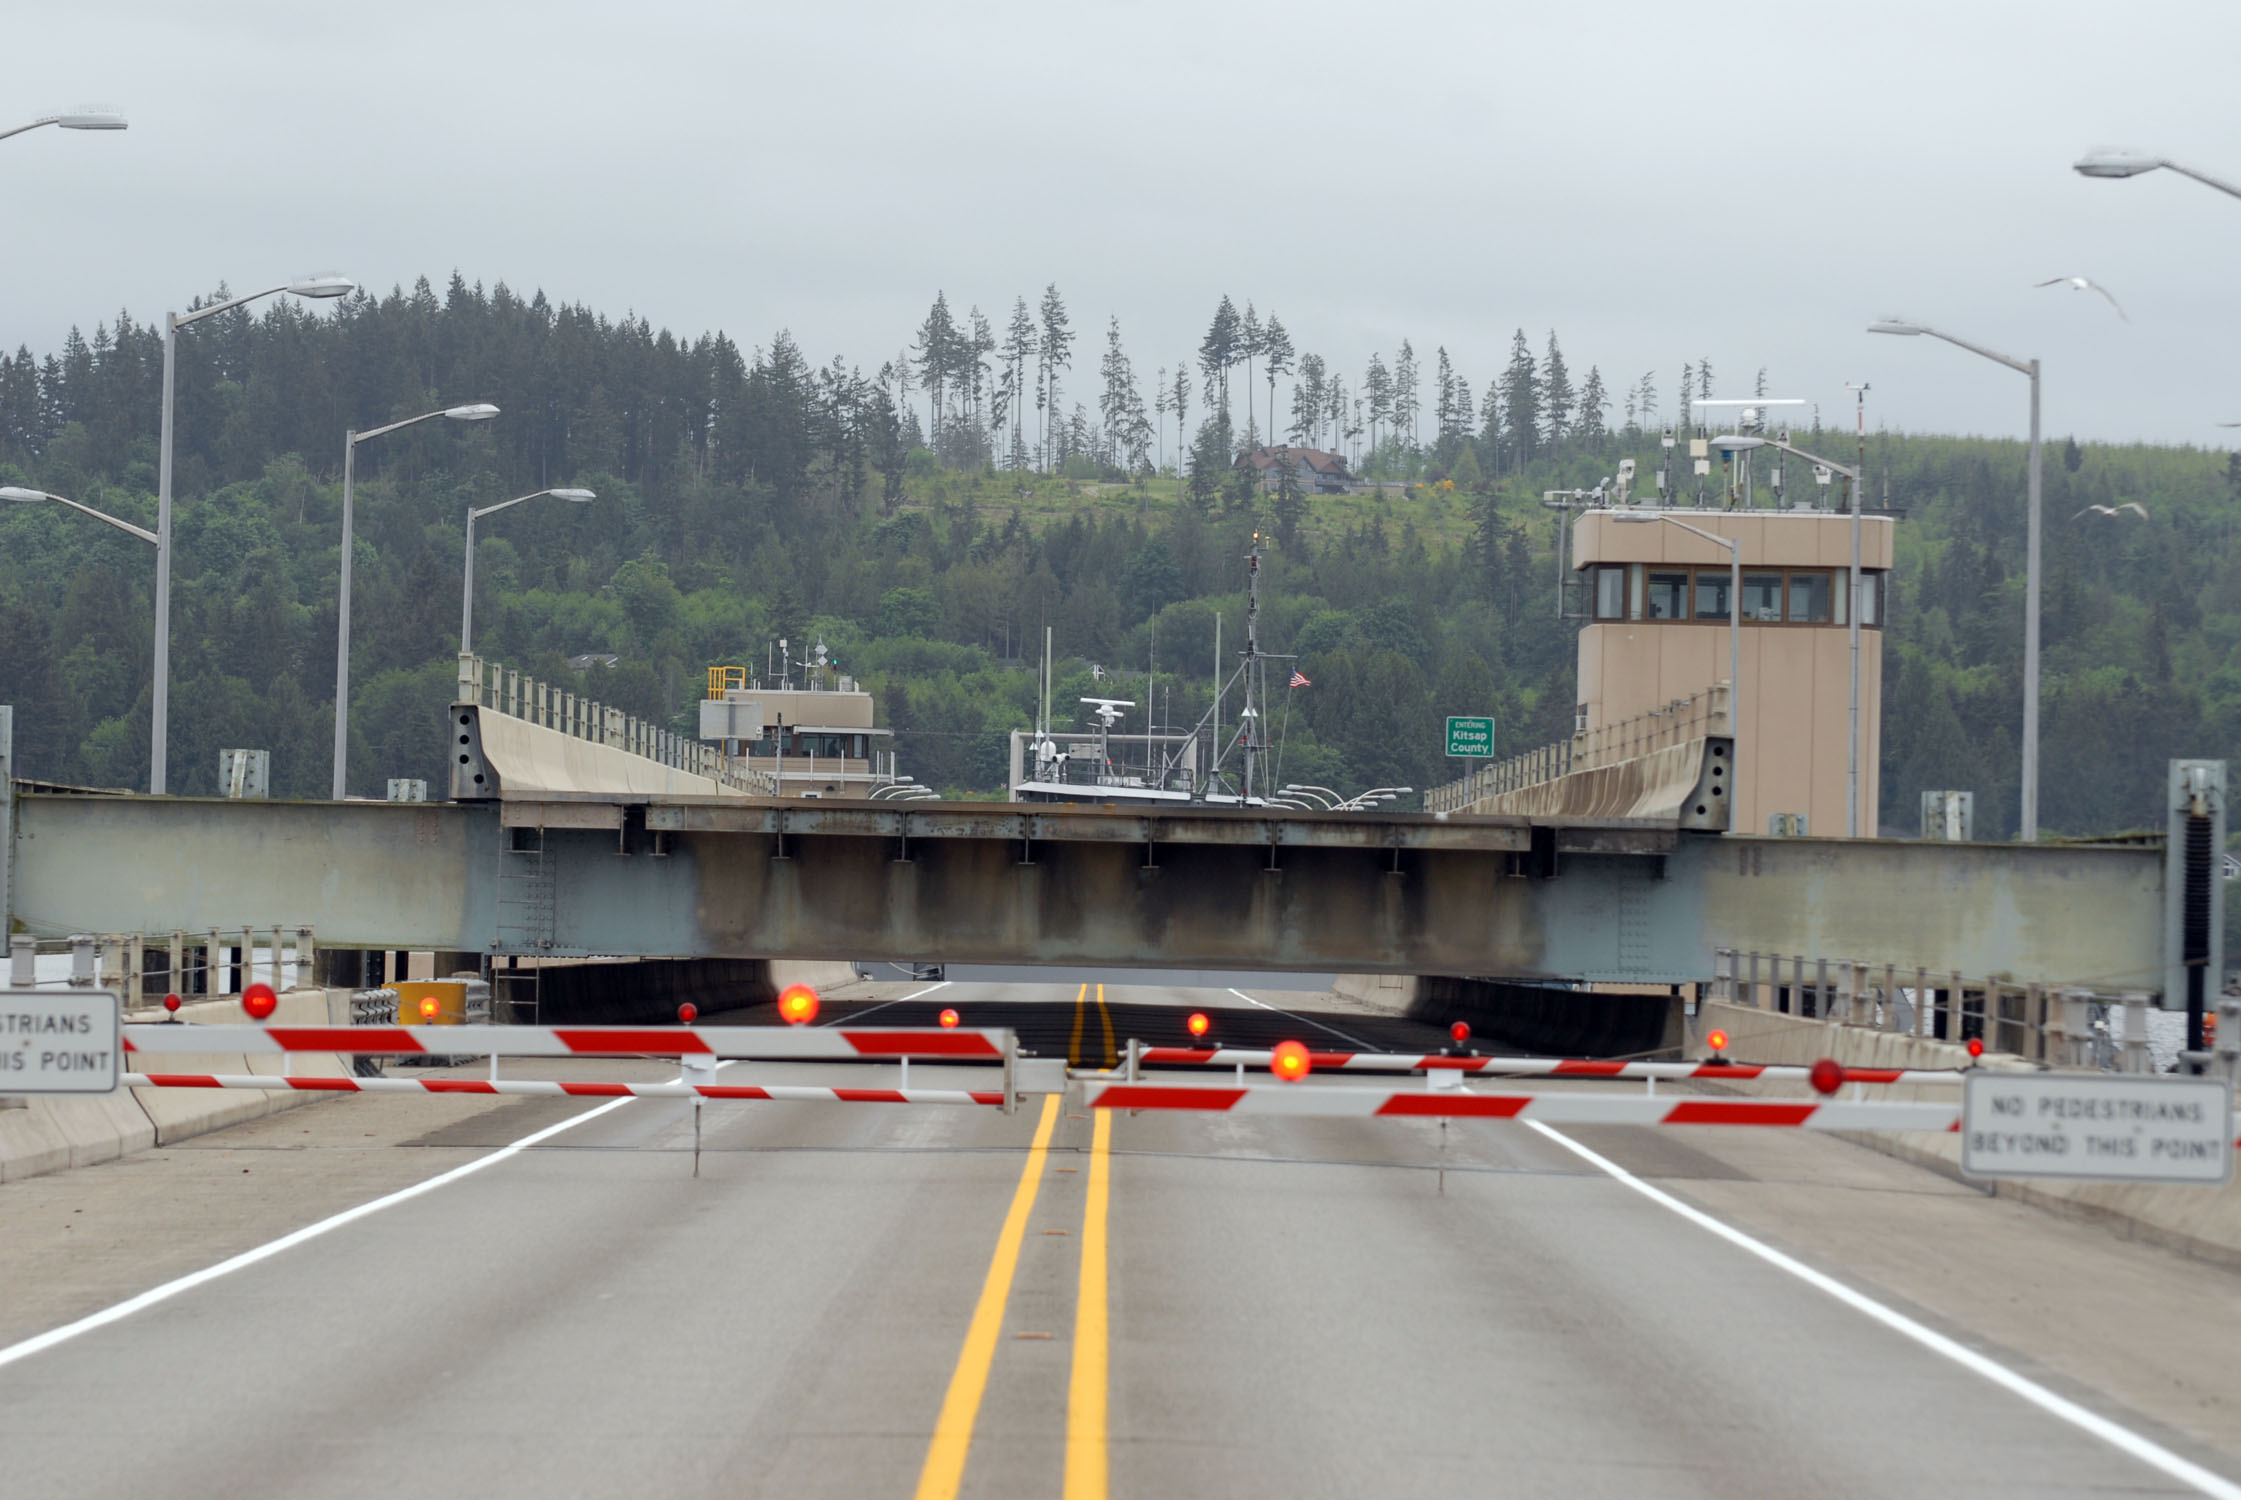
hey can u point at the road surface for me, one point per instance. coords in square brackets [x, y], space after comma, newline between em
[1182, 1306]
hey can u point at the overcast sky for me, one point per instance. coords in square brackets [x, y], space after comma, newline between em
[1746, 182]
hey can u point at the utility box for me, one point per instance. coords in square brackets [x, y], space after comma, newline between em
[403, 789]
[462, 1000]
[2194, 887]
[1949, 817]
[245, 774]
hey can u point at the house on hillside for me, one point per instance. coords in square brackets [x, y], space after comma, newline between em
[1318, 473]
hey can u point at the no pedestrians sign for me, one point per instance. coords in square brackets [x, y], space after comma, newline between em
[2107, 1126]
[59, 1041]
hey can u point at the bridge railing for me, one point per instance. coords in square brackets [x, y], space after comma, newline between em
[510, 691]
[2062, 1026]
[1677, 723]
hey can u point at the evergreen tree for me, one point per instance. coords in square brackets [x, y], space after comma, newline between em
[1249, 348]
[1594, 402]
[1307, 402]
[1521, 403]
[1291, 503]
[1054, 355]
[1406, 403]
[1556, 396]
[936, 355]
[1377, 387]
[1276, 359]
[1020, 344]
[1217, 352]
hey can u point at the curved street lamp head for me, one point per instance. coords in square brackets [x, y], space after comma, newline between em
[91, 119]
[579, 496]
[480, 411]
[322, 286]
[2112, 163]
[1895, 325]
[18, 492]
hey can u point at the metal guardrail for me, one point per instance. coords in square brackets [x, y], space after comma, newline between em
[2061, 1026]
[1677, 723]
[514, 693]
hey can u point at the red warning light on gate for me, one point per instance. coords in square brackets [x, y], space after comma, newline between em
[948, 1018]
[1197, 1025]
[1290, 1061]
[798, 1004]
[687, 1013]
[171, 1003]
[259, 1000]
[430, 1007]
[1826, 1076]
[1976, 1046]
[1461, 1031]
[1716, 1040]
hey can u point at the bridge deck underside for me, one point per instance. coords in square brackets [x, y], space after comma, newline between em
[1400, 894]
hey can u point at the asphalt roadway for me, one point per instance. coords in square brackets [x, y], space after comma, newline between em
[879, 1300]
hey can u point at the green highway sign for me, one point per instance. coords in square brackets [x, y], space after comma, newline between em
[1468, 737]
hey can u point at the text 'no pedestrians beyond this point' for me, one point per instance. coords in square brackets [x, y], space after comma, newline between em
[2097, 1126]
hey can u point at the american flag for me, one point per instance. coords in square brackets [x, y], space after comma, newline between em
[1299, 679]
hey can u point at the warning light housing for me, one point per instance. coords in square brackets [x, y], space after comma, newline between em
[1290, 1061]
[259, 1000]
[1976, 1046]
[430, 1007]
[948, 1018]
[1826, 1076]
[1461, 1031]
[171, 1003]
[687, 1013]
[1197, 1025]
[1716, 1040]
[797, 1003]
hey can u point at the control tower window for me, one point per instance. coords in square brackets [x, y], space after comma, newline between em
[1610, 592]
[1669, 595]
[1762, 597]
[1711, 595]
[1809, 598]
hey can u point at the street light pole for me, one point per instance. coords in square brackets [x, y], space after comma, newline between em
[94, 119]
[2133, 163]
[467, 592]
[2029, 368]
[479, 412]
[160, 716]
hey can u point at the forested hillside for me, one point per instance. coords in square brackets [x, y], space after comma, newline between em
[928, 516]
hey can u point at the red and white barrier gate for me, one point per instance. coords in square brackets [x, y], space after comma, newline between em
[803, 1093]
[768, 1043]
[1339, 1102]
[1526, 1067]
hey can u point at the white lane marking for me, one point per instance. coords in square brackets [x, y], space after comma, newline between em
[854, 1016]
[187, 1283]
[2124, 1439]
[1304, 1020]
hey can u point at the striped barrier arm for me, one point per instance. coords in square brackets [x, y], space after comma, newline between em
[1552, 1109]
[579, 1090]
[1530, 1067]
[770, 1043]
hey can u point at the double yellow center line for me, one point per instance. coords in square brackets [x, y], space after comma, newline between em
[1109, 1055]
[1087, 1462]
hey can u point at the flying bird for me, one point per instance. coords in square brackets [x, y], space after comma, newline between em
[2133, 506]
[2081, 284]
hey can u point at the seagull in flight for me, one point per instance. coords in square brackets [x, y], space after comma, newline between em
[2133, 506]
[2081, 284]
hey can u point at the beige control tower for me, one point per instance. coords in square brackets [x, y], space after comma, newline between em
[1659, 631]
